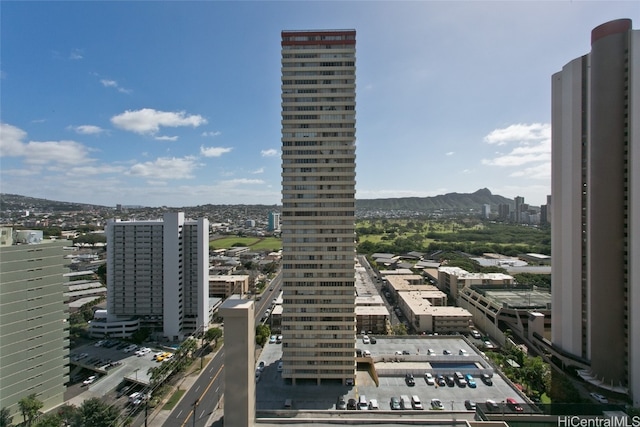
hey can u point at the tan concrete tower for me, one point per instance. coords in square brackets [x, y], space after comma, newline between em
[318, 205]
[239, 362]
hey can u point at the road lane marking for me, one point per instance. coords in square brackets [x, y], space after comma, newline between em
[192, 411]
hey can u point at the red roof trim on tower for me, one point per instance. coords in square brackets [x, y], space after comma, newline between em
[313, 33]
[609, 28]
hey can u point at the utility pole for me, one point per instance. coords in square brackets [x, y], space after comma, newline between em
[195, 408]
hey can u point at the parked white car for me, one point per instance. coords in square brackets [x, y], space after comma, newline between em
[90, 380]
[599, 398]
[130, 348]
[143, 351]
[428, 376]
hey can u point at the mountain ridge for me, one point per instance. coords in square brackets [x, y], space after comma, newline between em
[448, 201]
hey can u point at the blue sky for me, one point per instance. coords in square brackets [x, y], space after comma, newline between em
[178, 103]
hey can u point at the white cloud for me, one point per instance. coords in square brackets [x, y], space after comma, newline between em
[520, 133]
[212, 133]
[531, 154]
[86, 129]
[166, 138]
[114, 84]
[11, 140]
[94, 170]
[257, 171]
[148, 121]
[76, 54]
[541, 171]
[271, 152]
[450, 153]
[63, 152]
[214, 151]
[538, 152]
[20, 172]
[242, 181]
[165, 168]
[109, 83]
[40, 153]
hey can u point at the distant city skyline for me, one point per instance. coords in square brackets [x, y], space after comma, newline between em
[177, 104]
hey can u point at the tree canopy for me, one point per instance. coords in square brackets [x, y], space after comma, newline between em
[29, 407]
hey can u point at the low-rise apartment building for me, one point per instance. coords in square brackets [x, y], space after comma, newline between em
[425, 306]
[453, 279]
[223, 286]
[427, 317]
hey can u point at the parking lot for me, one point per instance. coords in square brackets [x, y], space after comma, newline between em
[391, 369]
[110, 365]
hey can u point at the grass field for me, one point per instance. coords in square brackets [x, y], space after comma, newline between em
[255, 243]
[175, 398]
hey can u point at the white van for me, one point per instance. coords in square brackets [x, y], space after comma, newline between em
[363, 405]
[405, 402]
[373, 404]
[415, 402]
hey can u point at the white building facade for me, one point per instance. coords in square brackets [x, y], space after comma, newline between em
[158, 272]
[318, 198]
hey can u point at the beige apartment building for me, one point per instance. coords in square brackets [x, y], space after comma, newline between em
[425, 306]
[318, 205]
[595, 240]
[225, 285]
[453, 279]
[427, 317]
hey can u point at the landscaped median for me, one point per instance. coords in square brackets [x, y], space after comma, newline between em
[174, 399]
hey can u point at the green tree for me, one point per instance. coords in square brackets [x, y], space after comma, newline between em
[537, 374]
[91, 239]
[184, 355]
[562, 389]
[212, 335]
[366, 247]
[67, 413]
[95, 413]
[49, 420]
[141, 335]
[29, 407]
[102, 273]
[5, 417]
[399, 329]
[156, 375]
[262, 334]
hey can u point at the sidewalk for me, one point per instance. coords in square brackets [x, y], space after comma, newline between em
[159, 415]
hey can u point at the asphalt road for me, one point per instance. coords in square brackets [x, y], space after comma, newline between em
[202, 398]
[204, 395]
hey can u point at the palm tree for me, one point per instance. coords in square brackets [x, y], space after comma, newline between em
[29, 407]
[5, 417]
